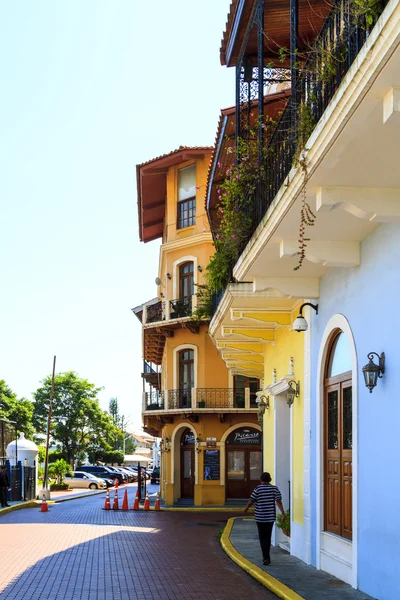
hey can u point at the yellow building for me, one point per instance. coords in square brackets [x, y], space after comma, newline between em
[205, 415]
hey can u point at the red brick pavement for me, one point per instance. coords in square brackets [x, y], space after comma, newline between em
[79, 551]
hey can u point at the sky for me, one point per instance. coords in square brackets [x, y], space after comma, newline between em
[88, 90]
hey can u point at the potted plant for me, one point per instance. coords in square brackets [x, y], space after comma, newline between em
[284, 523]
[201, 404]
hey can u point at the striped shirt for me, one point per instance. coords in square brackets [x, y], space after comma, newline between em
[264, 497]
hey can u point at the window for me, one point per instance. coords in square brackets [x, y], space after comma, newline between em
[186, 197]
[338, 439]
[186, 280]
[186, 377]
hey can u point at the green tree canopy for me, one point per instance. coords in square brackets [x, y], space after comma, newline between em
[16, 409]
[78, 424]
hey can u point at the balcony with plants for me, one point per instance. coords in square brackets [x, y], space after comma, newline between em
[271, 148]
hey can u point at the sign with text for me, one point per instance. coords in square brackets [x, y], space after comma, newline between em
[245, 437]
[211, 465]
[211, 442]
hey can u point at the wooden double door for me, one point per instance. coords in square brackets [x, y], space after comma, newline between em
[243, 470]
[338, 456]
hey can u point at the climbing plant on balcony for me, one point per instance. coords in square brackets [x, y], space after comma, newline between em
[234, 220]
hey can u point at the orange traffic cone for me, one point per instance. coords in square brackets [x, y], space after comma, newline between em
[125, 501]
[107, 505]
[157, 504]
[146, 502]
[116, 482]
[115, 503]
[44, 507]
[136, 503]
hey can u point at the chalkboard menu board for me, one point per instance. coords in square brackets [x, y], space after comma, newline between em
[211, 465]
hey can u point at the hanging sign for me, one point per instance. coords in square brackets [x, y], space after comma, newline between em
[211, 465]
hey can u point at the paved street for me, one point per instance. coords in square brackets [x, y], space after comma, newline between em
[79, 551]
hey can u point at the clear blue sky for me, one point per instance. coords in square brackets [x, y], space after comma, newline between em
[88, 90]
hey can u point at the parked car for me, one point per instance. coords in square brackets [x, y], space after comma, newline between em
[85, 480]
[155, 476]
[102, 471]
[121, 472]
[133, 473]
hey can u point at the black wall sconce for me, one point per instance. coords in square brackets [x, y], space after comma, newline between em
[200, 268]
[168, 276]
[293, 392]
[300, 324]
[371, 371]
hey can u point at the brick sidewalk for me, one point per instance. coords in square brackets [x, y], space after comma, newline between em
[304, 580]
[77, 550]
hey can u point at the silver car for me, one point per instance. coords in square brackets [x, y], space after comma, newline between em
[85, 480]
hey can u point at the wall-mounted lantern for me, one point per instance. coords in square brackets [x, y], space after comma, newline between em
[292, 392]
[300, 324]
[371, 371]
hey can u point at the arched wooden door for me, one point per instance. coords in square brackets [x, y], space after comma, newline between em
[187, 464]
[243, 462]
[338, 439]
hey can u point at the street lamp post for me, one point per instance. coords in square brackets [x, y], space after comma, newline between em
[46, 460]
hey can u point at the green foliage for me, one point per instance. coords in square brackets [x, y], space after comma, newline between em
[59, 469]
[370, 9]
[284, 524]
[59, 487]
[55, 455]
[110, 457]
[113, 409]
[42, 454]
[16, 409]
[78, 424]
[239, 183]
[130, 446]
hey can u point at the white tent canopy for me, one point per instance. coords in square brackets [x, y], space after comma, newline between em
[136, 458]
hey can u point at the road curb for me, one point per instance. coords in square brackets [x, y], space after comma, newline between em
[276, 586]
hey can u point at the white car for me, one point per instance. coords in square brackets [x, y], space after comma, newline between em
[85, 480]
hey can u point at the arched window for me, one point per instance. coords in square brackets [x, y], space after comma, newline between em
[338, 438]
[186, 280]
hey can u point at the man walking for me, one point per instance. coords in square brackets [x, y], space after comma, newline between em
[264, 497]
[3, 486]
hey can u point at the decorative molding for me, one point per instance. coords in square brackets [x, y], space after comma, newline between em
[266, 336]
[377, 205]
[291, 287]
[327, 253]
[274, 317]
[391, 106]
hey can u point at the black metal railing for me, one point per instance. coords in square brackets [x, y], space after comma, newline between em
[155, 312]
[181, 307]
[219, 398]
[315, 82]
[181, 398]
[154, 400]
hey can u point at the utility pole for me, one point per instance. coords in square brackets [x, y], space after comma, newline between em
[46, 461]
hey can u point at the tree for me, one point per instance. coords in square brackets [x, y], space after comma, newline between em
[16, 409]
[58, 470]
[78, 424]
[113, 409]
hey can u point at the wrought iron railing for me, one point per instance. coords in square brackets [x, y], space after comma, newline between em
[210, 398]
[181, 398]
[219, 398]
[181, 307]
[154, 400]
[339, 42]
[155, 312]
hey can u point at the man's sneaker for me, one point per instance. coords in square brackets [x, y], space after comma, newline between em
[266, 562]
